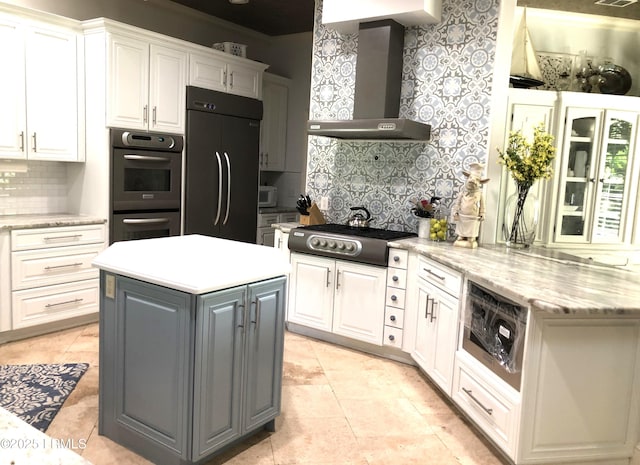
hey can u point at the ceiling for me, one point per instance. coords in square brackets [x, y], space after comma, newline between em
[278, 17]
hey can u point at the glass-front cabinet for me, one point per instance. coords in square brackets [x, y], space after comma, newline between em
[595, 176]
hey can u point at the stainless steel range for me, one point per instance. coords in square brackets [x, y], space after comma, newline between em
[363, 245]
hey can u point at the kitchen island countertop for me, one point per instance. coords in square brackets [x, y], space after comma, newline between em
[546, 283]
[195, 264]
[9, 222]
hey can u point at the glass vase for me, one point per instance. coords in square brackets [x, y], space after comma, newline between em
[521, 215]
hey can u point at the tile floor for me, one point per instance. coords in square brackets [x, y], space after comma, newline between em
[339, 407]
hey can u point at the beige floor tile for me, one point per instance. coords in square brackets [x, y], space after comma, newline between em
[407, 450]
[301, 366]
[391, 417]
[310, 401]
[79, 414]
[103, 451]
[358, 382]
[333, 357]
[314, 440]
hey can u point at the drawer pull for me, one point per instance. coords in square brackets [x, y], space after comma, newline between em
[392, 318]
[63, 238]
[435, 275]
[47, 268]
[396, 258]
[395, 279]
[394, 298]
[74, 301]
[469, 392]
[392, 337]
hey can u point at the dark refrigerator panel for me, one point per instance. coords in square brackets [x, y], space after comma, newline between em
[221, 180]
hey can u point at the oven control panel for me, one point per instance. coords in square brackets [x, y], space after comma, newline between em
[338, 245]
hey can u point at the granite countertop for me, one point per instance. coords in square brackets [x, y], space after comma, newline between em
[285, 227]
[547, 283]
[9, 222]
[195, 264]
[21, 443]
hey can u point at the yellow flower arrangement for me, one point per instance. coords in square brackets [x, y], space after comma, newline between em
[527, 161]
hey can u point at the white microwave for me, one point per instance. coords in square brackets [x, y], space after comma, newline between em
[267, 196]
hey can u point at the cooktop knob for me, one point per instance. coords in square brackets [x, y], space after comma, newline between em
[332, 244]
[315, 242]
[350, 247]
[323, 243]
[340, 245]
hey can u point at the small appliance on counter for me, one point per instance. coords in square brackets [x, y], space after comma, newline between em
[267, 196]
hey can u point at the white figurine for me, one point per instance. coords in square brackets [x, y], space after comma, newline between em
[468, 209]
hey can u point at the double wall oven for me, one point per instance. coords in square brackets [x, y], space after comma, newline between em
[146, 183]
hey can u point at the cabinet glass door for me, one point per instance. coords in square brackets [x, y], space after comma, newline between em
[614, 177]
[577, 176]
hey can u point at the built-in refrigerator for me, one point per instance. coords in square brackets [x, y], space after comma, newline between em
[221, 165]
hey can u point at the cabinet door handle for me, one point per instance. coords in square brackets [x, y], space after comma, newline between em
[469, 392]
[243, 315]
[328, 276]
[224, 79]
[338, 279]
[154, 115]
[55, 267]
[63, 238]
[433, 310]
[231, 80]
[145, 115]
[74, 301]
[435, 275]
[22, 141]
[256, 322]
[426, 308]
[35, 142]
[226, 216]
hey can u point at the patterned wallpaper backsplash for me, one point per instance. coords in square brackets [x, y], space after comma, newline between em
[447, 78]
[41, 190]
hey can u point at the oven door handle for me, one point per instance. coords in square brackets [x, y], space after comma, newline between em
[146, 158]
[215, 222]
[226, 216]
[145, 220]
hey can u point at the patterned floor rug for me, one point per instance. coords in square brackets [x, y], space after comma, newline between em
[35, 393]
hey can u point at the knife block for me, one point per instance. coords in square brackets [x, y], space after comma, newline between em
[315, 216]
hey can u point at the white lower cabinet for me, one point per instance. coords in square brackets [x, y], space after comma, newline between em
[436, 309]
[491, 404]
[336, 296]
[51, 273]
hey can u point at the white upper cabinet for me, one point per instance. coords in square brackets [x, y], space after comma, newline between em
[273, 130]
[226, 73]
[40, 89]
[146, 84]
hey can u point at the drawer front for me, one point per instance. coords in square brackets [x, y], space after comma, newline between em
[493, 414]
[392, 337]
[398, 258]
[395, 297]
[60, 265]
[394, 317]
[397, 277]
[52, 303]
[266, 220]
[439, 275]
[40, 238]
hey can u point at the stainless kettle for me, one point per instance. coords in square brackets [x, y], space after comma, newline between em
[358, 220]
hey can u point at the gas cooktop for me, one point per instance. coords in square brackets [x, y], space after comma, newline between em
[363, 245]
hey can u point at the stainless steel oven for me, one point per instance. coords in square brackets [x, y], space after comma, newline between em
[147, 170]
[494, 332]
[146, 184]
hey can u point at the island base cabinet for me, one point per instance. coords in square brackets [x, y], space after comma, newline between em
[182, 375]
[581, 400]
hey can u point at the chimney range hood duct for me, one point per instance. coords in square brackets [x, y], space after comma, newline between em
[377, 90]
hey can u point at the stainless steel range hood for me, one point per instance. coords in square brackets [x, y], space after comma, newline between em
[377, 90]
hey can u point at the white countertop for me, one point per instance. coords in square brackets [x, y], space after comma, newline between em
[195, 264]
[22, 444]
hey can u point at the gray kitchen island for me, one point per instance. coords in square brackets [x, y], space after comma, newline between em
[191, 344]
